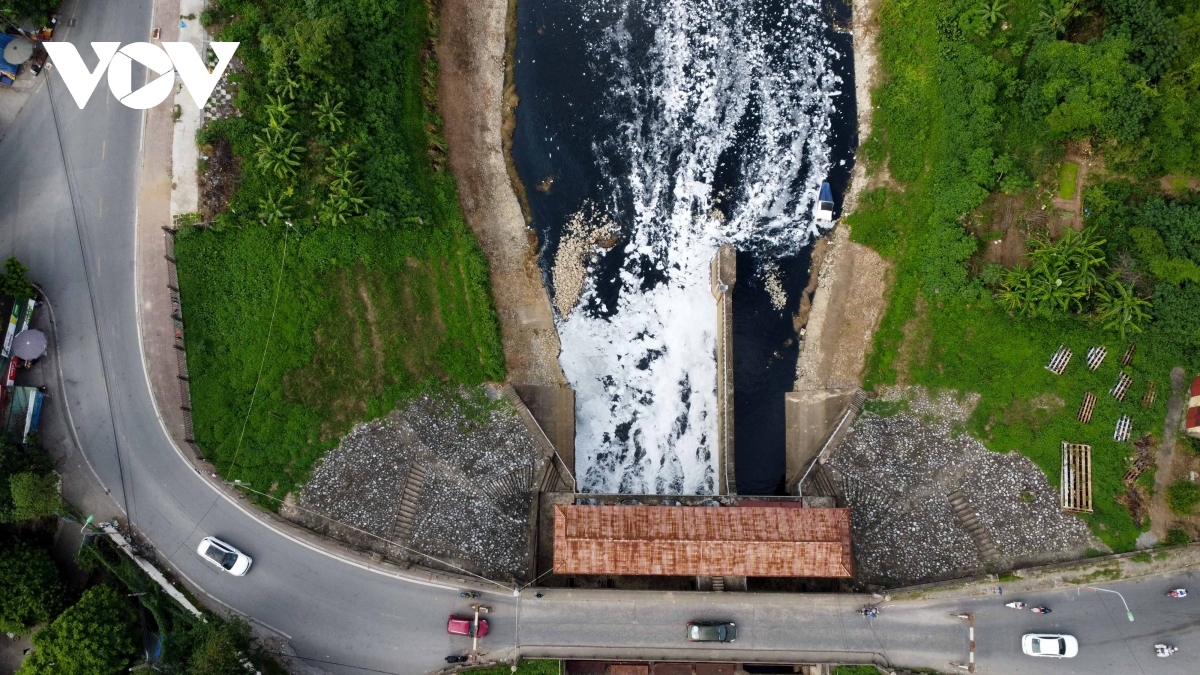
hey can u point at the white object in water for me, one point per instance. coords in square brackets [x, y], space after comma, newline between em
[824, 210]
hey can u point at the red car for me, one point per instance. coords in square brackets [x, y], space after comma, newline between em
[462, 625]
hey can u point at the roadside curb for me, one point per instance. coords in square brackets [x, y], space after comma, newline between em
[1109, 568]
[148, 282]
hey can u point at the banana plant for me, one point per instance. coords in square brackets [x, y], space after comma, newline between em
[1119, 308]
[335, 210]
[1055, 15]
[991, 11]
[279, 112]
[274, 209]
[278, 153]
[330, 115]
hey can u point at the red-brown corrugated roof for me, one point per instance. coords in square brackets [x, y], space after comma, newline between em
[752, 541]
[1196, 386]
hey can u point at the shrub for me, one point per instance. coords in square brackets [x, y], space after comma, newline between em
[1182, 496]
[1177, 537]
[13, 282]
[35, 495]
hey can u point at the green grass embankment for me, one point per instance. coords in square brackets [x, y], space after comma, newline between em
[384, 291]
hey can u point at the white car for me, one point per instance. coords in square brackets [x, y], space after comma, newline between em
[224, 556]
[1054, 646]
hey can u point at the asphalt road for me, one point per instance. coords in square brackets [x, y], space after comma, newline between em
[351, 620]
[330, 611]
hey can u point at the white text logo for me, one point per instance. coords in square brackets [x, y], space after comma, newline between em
[171, 58]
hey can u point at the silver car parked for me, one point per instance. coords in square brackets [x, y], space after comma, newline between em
[711, 631]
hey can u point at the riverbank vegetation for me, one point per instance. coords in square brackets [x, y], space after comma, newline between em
[1040, 162]
[339, 278]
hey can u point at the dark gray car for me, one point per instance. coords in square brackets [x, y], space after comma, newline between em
[711, 631]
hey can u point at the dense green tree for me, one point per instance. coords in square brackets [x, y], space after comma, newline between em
[322, 50]
[1085, 90]
[1176, 320]
[30, 591]
[95, 636]
[1154, 37]
[1177, 222]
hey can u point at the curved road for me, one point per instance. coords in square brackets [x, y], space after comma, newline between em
[68, 212]
[331, 611]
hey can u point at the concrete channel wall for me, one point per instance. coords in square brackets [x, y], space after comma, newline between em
[724, 277]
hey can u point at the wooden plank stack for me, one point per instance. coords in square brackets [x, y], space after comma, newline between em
[1076, 481]
[1121, 434]
[1151, 393]
[1085, 410]
[1121, 387]
[1095, 357]
[1128, 358]
[1058, 362]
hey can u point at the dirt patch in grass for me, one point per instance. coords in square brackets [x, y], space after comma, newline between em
[1033, 412]
[1175, 460]
[1001, 228]
[218, 177]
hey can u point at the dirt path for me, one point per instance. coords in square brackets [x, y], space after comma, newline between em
[1173, 462]
[470, 54]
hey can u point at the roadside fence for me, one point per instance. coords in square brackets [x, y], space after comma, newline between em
[185, 392]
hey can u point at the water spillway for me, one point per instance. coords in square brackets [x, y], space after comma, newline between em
[649, 133]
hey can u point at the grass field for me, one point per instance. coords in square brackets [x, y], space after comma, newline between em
[393, 301]
[1026, 408]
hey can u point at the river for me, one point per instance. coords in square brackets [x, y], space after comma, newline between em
[650, 132]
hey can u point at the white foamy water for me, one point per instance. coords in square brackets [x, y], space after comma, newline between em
[644, 371]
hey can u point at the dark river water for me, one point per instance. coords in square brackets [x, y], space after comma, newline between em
[650, 132]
